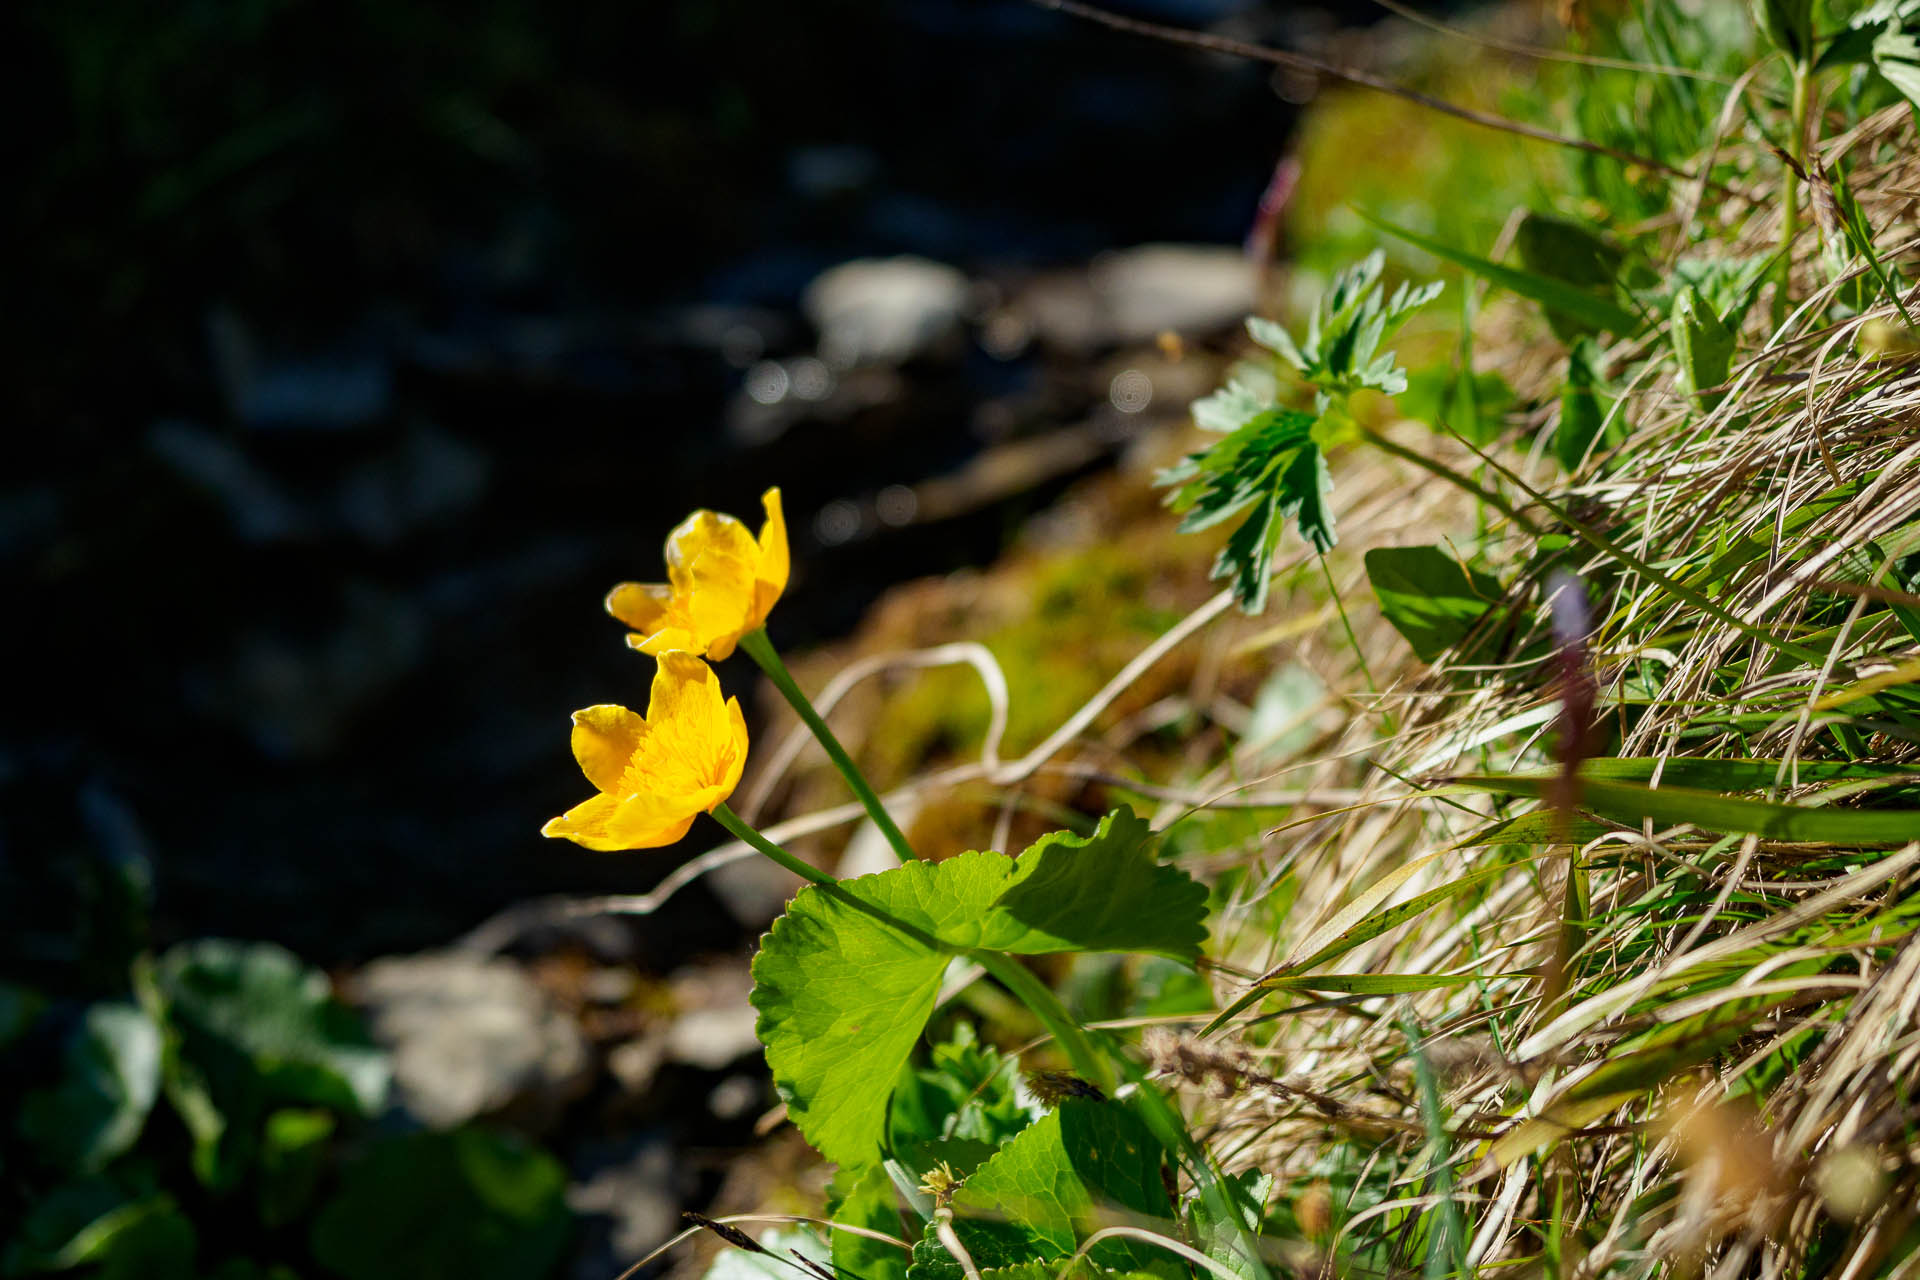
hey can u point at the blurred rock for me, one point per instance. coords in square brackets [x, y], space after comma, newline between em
[430, 477]
[349, 386]
[1127, 296]
[256, 506]
[714, 1027]
[472, 1037]
[884, 310]
[297, 699]
[631, 1192]
[1189, 289]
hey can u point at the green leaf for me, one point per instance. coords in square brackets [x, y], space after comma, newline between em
[1787, 25]
[293, 1152]
[1559, 248]
[1542, 826]
[1428, 597]
[261, 1001]
[109, 1081]
[842, 998]
[1269, 469]
[1230, 408]
[1702, 341]
[1556, 295]
[468, 1203]
[1569, 250]
[1447, 400]
[92, 1221]
[846, 979]
[1051, 1186]
[967, 1094]
[1711, 811]
[1583, 409]
[870, 1203]
[1896, 55]
[1103, 892]
[1374, 984]
[1372, 926]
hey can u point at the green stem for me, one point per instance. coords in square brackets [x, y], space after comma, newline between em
[1790, 182]
[733, 822]
[756, 646]
[1352, 640]
[1442, 470]
[1088, 1061]
[1094, 1059]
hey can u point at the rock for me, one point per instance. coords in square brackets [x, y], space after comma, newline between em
[631, 1192]
[471, 1037]
[1186, 288]
[715, 1025]
[884, 310]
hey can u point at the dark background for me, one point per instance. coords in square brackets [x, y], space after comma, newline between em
[356, 349]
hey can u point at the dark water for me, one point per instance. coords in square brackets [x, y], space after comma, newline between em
[356, 349]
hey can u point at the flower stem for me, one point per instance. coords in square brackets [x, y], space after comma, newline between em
[756, 646]
[733, 822]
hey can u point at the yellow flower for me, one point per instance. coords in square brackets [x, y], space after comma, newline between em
[654, 774]
[721, 585]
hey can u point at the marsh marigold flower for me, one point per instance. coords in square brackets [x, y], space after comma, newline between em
[654, 774]
[721, 584]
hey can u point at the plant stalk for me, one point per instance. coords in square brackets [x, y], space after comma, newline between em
[757, 646]
[734, 823]
[1790, 186]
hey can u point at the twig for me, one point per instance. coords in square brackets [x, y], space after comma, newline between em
[1351, 75]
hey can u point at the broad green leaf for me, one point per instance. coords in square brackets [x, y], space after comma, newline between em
[468, 1203]
[1559, 248]
[1896, 55]
[1711, 811]
[1103, 892]
[92, 1221]
[870, 1203]
[846, 979]
[293, 1152]
[1428, 597]
[1702, 341]
[1787, 25]
[1081, 1270]
[842, 998]
[1555, 295]
[109, 1080]
[1218, 1237]
[260, 1000]
[1567, 249]
[1083, 1166]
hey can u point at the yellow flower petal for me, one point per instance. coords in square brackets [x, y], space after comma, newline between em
[643, 606]
[722, 583]
[604, 740]
[771, 579]
[607, 823]
[654, 774]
